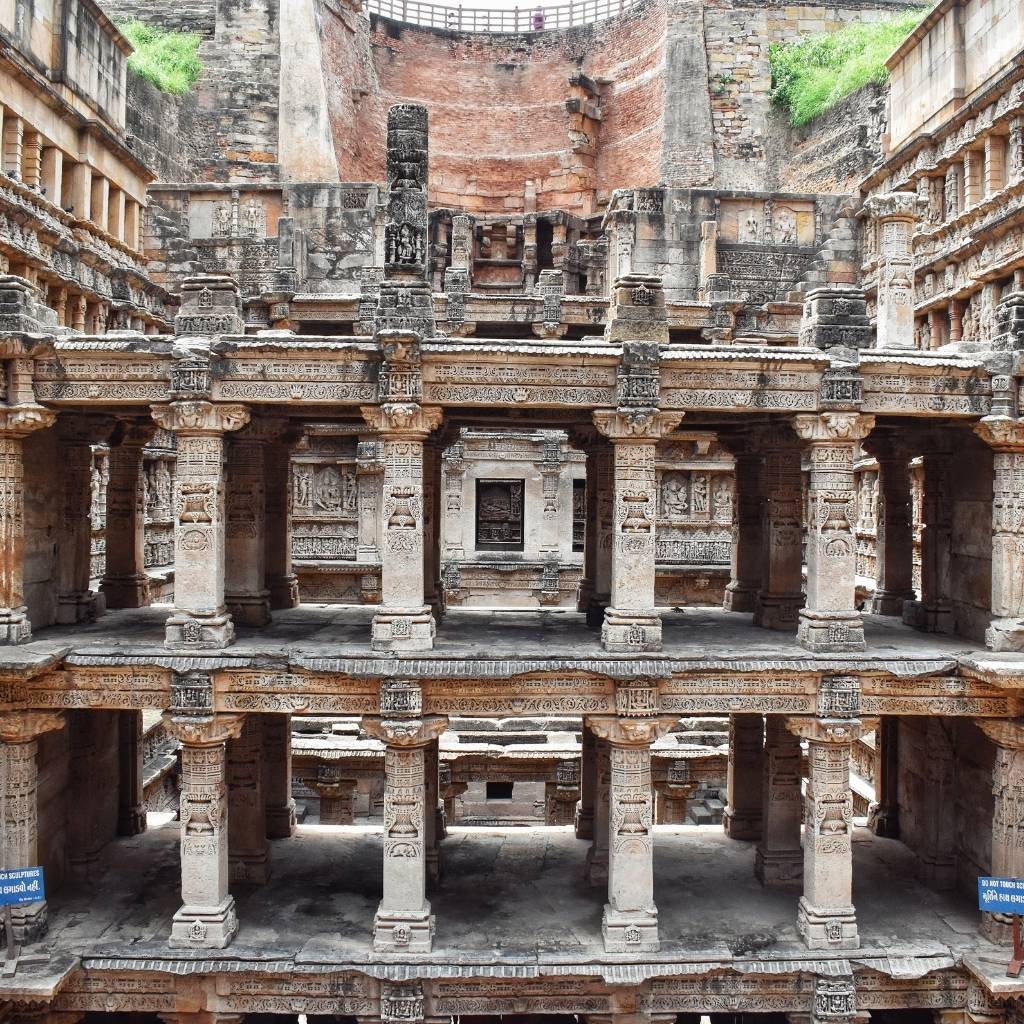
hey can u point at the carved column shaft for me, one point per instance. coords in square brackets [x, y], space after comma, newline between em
[936, 858]
[597, 854]
[604, 508]
[131, 810]
[895, 214]
[779, 599]
[934, 612]
[249, 855]
[245, 593]
[747, 535]
[742, 818]
[125, 584]
[588, 785]
[884, 819]
[431, 526]
[277, 776]
[894, 576]
[430, 794]
[779, 858]
[280, 580]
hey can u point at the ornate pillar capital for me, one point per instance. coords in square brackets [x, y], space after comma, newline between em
[405, 732]
[833, 427]
[631, 732]
[403, 419]
[1007, 733]
[642, 425]
[203, 730]
[829, 730]
[1002, 433]
[26, 726]
[200, 417]
[18, 421]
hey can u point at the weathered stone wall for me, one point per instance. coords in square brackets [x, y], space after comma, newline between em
[163, 128]
[975, 756]
[181, 16]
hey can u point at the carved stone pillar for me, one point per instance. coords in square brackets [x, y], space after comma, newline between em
[588, 785]
[779, 859]
[1007, 819]
[597, 855]
[245, 592]
[248, 852]
[895, 214]
[16, 423]
[131, 810]
[200, 617]
[19, 732]
[404, 922]
[431, 527]
[75, 601]
[280, 580]
[600, 529]
[936, 856]
[742, 818]
[830, 622]
[826, 917]
[934, 611]
[404, 621]
[430, 791]
[87, 730]
[277, 776]
[779, 600]
[336, 794]
[125, 583]
[369, 474]
[207, 918]
[1006, 437]
[631, 622]
[630, 922]
[884, 818]
[747, 528]
[894, 574]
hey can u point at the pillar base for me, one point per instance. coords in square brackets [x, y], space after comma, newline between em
[739, 598]
[212, 632]
[281, 821]
[934, 618]
[780, 612]
[29, 921]
[1005, 635]
[584, 823]
[596, 870]
[284, 592]
[126, 591]
[132, 821]
[197, 927]
[15, 627]
[249, 868]
[403, 931]
[831, 632]
[79, 607]
[249, 609]
[630, 931]
[997, 928]
[779, 869]
[403, 629]
[890, 602]
[827, 927]
[738, 825]
[631, 632]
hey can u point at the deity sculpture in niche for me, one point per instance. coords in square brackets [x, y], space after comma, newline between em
[222, 220]
[327, 493]
[723, 500]
[784, 226]
[700, 494]
[675, 503]
[751, 231]
[499, 513]
[302, 486]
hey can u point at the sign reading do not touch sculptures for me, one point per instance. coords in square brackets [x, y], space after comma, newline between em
[1001, 895]
[22, 885]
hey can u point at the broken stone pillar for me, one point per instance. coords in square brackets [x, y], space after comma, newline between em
[778, 602]
[894, 572]
[207, 918]
[200, 617]
[631, 622]
[19, 733]
[747, 527]
[1005, 436]
[830, 622]
[884, 817]
[588, 785]
[336, 795]
[249, 854]
[404, 621]
[245, 592]
[1007, 821]
[674, 794]
[778, 862]
[937, 849]
[131, 809]
[826, 917]
[403, 922]
[638, 311]
[895, 214]
[597, 855]
[16, 423]
[630, 922]
[280, 580]
[742, 818]
[77, 433]
[125, 583]
[277, 776]
[933, 612]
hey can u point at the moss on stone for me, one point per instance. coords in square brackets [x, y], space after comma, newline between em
[170, 60]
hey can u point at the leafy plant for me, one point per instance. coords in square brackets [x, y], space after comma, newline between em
[810, 76]
[170, 60]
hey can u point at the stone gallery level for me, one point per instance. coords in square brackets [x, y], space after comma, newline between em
[436, 403]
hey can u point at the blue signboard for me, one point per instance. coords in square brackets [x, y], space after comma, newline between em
[1001, 895]
[22, 885]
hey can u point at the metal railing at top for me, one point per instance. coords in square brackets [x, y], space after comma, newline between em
[515, 20]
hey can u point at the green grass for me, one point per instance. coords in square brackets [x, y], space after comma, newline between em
[170, 60]
[813, 75]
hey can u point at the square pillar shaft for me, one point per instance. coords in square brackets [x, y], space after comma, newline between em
[277, 776]
[742, 818]
[125, 583]
[249, 854]
[778, 862]
[245, 593]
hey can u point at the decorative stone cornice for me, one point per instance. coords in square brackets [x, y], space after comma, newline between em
[635, 424]
[833, 426]
[24, 726]
[22, 420]
[200, 417]
[1004, 732]
[829, 730]
[408, 732]
[405, 419]
[631, 732]
[896, 206]
[1003, 433]
[203, 730]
